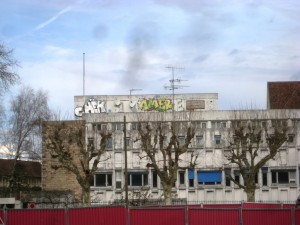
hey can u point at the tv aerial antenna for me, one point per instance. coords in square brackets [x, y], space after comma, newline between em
[175, 83]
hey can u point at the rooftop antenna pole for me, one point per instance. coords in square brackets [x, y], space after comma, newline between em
[132, 90]
[172, 83]
[83, 85]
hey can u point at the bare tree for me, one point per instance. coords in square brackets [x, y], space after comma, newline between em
[8, 76]
[247, 136]
[163, 144]
[27, 112]
[67, 147]
[22, 135]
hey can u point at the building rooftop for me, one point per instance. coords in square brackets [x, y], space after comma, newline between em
[30, 168]
[283, 95]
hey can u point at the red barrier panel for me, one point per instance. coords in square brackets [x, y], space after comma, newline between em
[158, 216]
[214, 217]
[98, 216]
[297, 216]
[2, 215]
[266, 216]
[288, 206]
[223, 206]
[36, 217]
[249, 205]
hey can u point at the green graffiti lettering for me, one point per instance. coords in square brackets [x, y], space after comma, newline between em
[159, 105]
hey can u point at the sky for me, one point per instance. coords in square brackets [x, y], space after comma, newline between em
[230, 47]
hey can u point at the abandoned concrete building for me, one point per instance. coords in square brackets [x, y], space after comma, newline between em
[277, 180]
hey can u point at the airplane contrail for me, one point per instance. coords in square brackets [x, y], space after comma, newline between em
[52, 19]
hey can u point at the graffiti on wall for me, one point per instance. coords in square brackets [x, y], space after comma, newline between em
[155, 104]
[90, 106]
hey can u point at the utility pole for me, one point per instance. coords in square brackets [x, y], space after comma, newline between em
[126, 169]
[173, 86]
[83, 74]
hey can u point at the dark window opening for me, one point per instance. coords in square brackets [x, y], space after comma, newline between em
[103, 180]
[137, 179]
[181, 177]
[191, 176]
[109, 143]
[227, 177]
[154, 179]
[217, 139]
[265, 176]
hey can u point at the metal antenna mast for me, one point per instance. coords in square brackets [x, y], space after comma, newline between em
[174, 86]
[83, 82]
[132, 90]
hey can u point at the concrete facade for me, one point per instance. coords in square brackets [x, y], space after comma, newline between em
[278, 180]
[210, 126]
[144, 103]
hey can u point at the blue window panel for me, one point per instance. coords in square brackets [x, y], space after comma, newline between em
[209, 176]
[191, 174]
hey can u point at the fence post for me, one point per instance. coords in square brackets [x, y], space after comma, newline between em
[186, 215]
[293, 216]
[241, 215]
[5, 214]
[67, 215]
[128, 215]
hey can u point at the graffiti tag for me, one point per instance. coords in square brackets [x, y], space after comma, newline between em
[159, 105]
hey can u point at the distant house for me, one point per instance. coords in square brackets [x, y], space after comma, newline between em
[283, 95]
[28, 173]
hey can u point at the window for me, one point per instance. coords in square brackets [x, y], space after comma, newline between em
[118, 126]
[200, 125]
[218, 124]
[209, 177]
[154, 179]
[137, 179]
[227, 177]
[109, 143]
[181, 140]
[134, 126]
[103, 180]
[199, 140]
[91, 142]
[100, 126]
[217, 139]
[181, 178]
[263, 124]
[118, 180]
[191, 178]
[283, 176]
[290, 138]
[264, 172]
[237, 176]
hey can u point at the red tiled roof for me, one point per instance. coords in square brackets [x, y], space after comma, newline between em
[284, 95]
[30, 168]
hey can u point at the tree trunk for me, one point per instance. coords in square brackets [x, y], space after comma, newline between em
[251, 194]
[86, 197]
[167, 193]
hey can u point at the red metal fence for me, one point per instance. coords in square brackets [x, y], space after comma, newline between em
[176, 215]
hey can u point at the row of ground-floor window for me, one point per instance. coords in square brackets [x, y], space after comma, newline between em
[189, 182]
